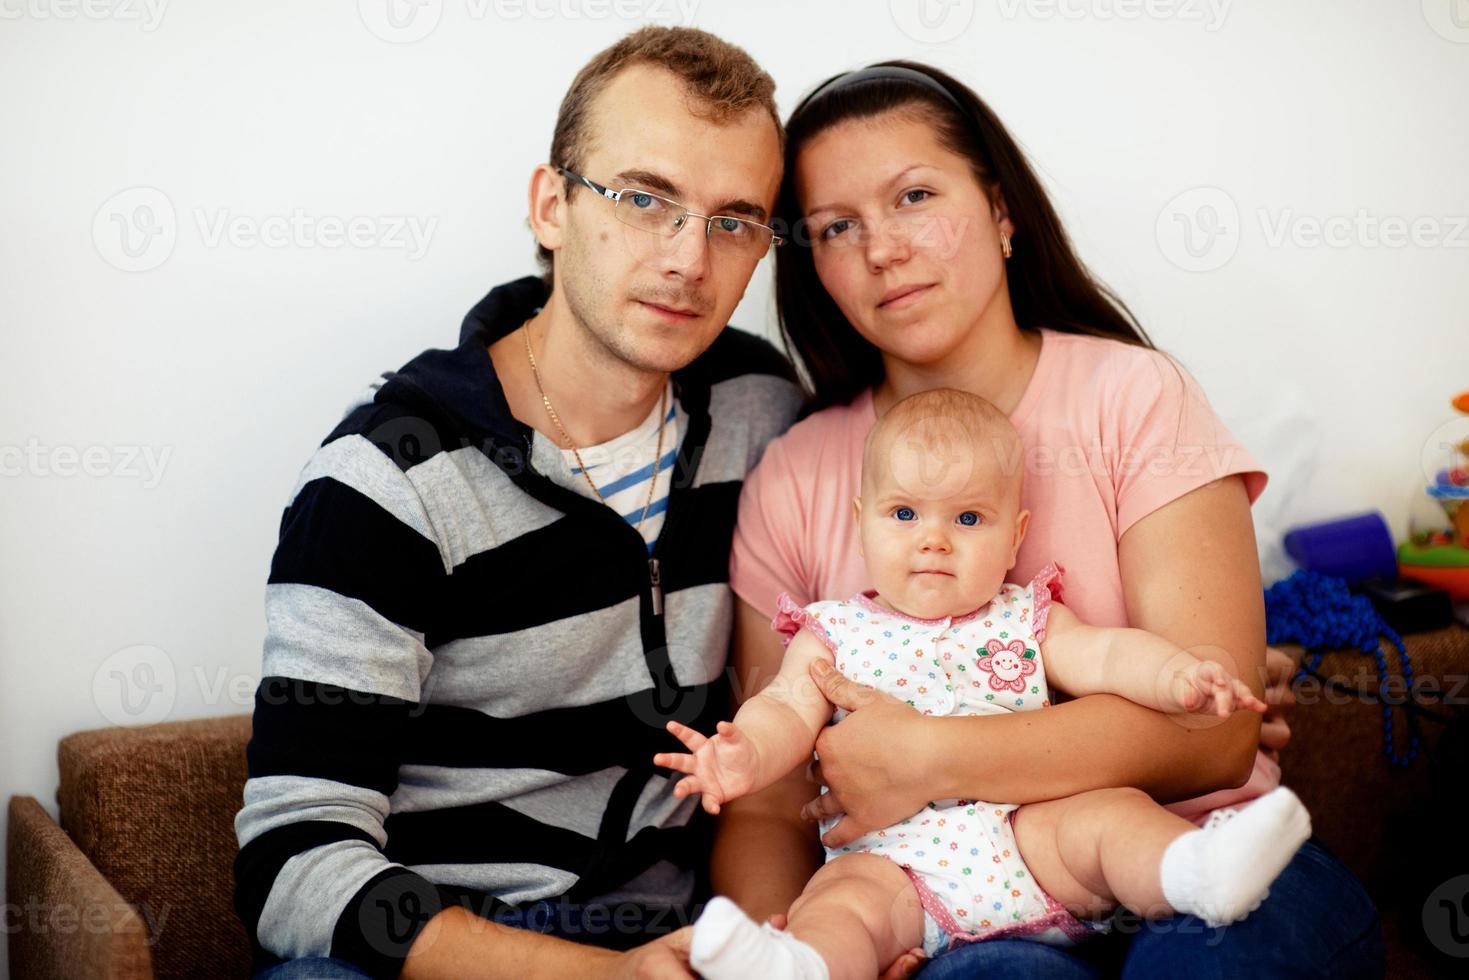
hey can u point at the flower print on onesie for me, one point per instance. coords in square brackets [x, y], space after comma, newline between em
[960, 854]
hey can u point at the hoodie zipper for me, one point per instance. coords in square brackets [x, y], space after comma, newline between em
[653, 578]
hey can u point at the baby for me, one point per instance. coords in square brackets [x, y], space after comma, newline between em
[940, 524]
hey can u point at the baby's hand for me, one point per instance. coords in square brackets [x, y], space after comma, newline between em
[1206, 687]
[722, 767]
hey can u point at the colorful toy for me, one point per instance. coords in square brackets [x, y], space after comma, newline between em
[1437, 553]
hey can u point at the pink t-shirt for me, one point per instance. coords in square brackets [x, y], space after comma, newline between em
[1111, 432]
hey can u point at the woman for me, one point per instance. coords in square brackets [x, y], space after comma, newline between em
[925, 254]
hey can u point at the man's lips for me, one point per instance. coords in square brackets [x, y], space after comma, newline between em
[672, 312]
[903, 295]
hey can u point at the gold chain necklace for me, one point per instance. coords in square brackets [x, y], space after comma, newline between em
[657, 455]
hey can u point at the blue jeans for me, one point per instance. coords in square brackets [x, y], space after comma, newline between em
[1317, 922]
[312, 968]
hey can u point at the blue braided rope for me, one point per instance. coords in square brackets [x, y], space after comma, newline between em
[1320, 613]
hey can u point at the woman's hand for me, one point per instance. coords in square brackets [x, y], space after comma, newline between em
[1274, 730]
[869, 760]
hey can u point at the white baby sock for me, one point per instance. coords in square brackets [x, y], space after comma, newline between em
[1223, 872]
[728, 945]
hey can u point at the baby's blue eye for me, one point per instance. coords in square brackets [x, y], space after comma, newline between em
[904, 514]
[969, 518]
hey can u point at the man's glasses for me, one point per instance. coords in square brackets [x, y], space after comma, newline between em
[660, 216]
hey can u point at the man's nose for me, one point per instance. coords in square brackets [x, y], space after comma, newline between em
[686, 253]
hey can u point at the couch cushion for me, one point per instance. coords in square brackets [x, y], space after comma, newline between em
[153, 807]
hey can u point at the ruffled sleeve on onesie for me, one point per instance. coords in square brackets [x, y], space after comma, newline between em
[790, 617]
[1045, 589]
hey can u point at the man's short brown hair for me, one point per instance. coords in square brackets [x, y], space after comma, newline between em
[722, 79]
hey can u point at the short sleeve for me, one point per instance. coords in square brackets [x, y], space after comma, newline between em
[1045, 589]
[765, 559]
[1169, 441]
[791, 617]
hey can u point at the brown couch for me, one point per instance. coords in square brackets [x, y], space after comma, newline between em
[136, 882]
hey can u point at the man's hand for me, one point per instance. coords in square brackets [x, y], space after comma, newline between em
[869, 761]
[665, 958]
[905, 966]
[1274, 730]
[722, 767]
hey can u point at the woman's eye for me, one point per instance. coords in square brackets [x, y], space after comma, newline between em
[835, 228]
[915, 196]
[904, 514]
[969, 518]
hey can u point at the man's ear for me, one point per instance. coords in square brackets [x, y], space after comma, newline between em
[1022, 523]
[547, 206]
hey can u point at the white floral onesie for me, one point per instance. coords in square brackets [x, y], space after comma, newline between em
[960, 854]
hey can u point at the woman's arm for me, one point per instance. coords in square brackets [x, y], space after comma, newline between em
[764, 853]
[1190, 575]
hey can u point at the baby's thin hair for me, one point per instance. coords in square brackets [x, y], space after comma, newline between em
[940, 413]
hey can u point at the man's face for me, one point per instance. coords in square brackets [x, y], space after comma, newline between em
[654, 302]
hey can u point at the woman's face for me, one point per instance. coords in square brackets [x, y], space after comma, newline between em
[904, 238]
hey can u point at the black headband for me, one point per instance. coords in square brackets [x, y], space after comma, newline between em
[881, 73]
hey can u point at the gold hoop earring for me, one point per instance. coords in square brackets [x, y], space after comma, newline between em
[1005, 248]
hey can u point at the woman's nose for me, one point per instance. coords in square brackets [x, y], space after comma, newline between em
[887, 244]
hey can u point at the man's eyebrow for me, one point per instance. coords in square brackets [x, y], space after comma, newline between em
[896, 178]
[655, 182]
[648, 179]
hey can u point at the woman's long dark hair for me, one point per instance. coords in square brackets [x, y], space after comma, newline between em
[1049, 286]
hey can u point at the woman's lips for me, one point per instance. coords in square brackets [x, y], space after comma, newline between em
[905, 296]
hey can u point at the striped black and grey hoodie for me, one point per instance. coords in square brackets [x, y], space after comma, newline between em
[468, 667]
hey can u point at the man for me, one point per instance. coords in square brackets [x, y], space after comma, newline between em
[504, 572]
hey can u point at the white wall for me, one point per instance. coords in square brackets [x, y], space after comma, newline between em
[229, 360]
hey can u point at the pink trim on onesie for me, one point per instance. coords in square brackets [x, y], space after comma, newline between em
[790, 617]
[1056, 915]
[1045, 588]
[867, 600]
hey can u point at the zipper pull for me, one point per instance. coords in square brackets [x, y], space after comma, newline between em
[657, 588]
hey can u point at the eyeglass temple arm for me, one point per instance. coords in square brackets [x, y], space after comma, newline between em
[606, 192]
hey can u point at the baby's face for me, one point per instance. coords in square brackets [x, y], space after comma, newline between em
[940, 529]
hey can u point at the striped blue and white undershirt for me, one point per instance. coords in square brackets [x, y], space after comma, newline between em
[623, 466]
